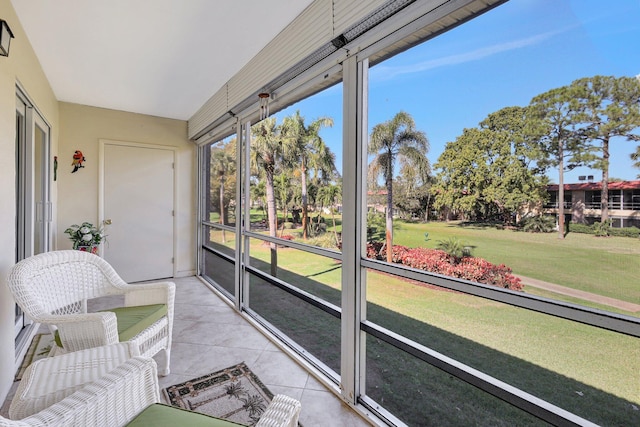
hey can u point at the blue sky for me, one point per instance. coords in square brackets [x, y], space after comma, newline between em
[502, 58]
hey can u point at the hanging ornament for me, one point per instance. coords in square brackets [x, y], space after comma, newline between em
[264, 105]
[78, 159]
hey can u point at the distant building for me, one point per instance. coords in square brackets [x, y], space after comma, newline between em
[582, 202]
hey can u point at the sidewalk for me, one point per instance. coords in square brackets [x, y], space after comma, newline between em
[587, 296]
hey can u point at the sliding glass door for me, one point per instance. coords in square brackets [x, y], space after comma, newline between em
[33, 204]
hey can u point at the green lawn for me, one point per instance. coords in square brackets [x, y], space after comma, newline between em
[589, 371]
[548, 357]
[605, 266]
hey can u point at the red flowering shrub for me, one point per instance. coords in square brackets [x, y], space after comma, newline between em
[437, 261]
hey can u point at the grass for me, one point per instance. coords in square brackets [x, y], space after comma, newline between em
[604, 266]
[591, 372]
[551, 358]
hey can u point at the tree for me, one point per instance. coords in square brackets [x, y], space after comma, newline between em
[636, 159]
[396, 139]
[610, 108]
[329, 195]
[258, 192]
[523, 179]
[222, 166]
[266, 148]
[303, 146]
[491, 171]
[412, 192]
[554, 117]
[282, 189]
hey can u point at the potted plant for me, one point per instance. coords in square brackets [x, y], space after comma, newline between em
[85, 237]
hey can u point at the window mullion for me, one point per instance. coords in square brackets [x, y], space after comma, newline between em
[352, 217]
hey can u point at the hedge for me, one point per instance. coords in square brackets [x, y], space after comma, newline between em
[436, 261]
[619, 232]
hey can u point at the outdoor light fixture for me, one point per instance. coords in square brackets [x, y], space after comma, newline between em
[5, 37]
[264, 105]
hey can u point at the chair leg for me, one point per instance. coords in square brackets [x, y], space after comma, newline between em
[167, 360]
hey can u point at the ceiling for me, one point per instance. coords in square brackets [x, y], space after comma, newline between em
[159, 57]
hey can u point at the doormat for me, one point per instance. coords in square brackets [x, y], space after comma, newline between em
[38, 349]
[235, 394]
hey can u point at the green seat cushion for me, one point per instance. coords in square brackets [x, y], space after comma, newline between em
[160, 415]
[132, 320]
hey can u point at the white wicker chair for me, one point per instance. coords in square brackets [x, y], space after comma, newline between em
[116, 398]
[48, 381]
[112, 400]
[283, 411]
[53, 288]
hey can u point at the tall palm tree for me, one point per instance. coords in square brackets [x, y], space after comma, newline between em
[222, 165]
[329, 195]
[391, 141]
[266, 148]
[303, 146]
[283, 193]
[258, 193]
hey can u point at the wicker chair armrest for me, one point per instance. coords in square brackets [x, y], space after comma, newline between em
[4, 422]
[49, 380]
[150, 293]
[283, 411]
[80, 331]
[113, 400]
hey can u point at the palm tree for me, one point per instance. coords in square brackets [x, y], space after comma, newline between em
[282, 190]
[258, 192]
[222, 165]
[455, 248]
[396, 139]
[304, 147]
[329, 195]
[266, 147]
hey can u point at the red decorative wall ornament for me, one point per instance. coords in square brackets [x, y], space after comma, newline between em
[78, 158]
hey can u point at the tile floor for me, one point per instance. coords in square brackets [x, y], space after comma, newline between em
[208, 336]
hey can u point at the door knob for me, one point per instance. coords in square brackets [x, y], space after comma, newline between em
[107, 222]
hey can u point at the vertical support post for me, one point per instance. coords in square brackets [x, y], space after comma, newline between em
[238, 297]
[204, 188]
[353, 219]
[246, 211]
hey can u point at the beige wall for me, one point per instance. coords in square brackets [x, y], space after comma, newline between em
[21, 66]
[74, 127]
[81, 129]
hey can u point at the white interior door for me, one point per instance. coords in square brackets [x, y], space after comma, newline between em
[138, 209]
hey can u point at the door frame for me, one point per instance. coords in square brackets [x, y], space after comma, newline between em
[102, 143]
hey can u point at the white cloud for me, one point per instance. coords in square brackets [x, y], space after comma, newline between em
[386, 72]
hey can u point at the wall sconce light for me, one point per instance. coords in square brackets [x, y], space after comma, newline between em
[5, 38]
[264, 105]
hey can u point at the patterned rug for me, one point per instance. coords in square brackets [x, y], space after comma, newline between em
[39, 348]
[235, 394]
